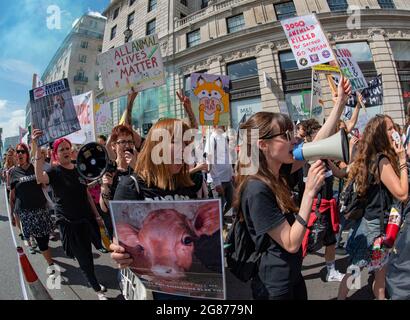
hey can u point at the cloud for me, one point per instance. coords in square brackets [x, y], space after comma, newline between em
[11, 123]
[17, 71]
[3, 104]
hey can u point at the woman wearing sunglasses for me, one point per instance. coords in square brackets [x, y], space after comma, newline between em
[264, 201]
[75, 209]
[28, 201]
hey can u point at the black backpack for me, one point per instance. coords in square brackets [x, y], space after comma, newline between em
[241, 255]
[351, 205]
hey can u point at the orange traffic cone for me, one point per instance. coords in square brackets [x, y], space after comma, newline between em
[36, 287]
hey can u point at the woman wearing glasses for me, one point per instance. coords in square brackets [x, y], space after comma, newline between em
[75, 209]
[28, 201]
[264, 203]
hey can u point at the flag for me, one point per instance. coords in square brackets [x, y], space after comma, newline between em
[22, 133]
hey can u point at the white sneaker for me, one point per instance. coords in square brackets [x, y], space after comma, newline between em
[334, 276]
[51, 269]
[101, 296]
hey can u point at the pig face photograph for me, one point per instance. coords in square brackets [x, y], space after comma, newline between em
[176, 246]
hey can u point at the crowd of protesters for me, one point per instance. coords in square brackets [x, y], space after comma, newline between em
[281, 202]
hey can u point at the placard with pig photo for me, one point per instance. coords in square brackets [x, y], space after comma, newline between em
[176, 246]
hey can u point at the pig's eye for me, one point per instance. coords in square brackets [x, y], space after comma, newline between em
[187, 240]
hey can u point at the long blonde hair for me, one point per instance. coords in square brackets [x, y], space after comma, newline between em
[10, 161]
[158, 175]
[266, 123]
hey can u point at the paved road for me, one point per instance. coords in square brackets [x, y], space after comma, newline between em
[74, 288]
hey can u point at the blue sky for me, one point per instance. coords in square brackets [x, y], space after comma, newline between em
[27, 45]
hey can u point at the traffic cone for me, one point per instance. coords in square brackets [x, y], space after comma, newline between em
[37, 289]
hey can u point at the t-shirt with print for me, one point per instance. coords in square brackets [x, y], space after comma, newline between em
[278, 269]
[70, 193]
[28, 193]
[117, 177]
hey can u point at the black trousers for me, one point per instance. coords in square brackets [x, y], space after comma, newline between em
[76, 238]
[42, 243]
[297, 291]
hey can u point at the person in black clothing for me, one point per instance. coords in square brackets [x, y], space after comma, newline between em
[27, 199]
[262, 200]
[75, 209]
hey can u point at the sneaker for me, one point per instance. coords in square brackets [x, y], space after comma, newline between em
[101, 296]
[51, 269]
[26, 243]
[33, 243]
[334, 276]
[103, 289]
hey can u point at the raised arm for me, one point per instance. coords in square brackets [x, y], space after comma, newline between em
[186, 102]
[41, 176]
[350, 124]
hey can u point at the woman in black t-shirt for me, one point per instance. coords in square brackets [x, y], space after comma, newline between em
[264, 201]
[376, 153]
[28, 201]
[75, 209]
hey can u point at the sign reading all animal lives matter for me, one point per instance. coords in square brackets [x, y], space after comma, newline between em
[136, 64]
[350, 69]
[307, 41]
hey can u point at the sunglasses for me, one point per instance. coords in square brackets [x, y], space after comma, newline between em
[287, 134]
[21, 152]
[124, 142]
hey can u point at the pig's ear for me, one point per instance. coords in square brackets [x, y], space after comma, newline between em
[206, 221]
[127, 234]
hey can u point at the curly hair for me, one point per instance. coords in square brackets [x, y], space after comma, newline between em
[374, 141]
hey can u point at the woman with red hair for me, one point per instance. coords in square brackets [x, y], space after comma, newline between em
[75, 208]
[28, 201]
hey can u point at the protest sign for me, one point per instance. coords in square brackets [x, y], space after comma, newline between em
[103, 119]
[83, 105]
[373, 94]
[136, 64]
[325, 68]
[244, 108]
[350, 69]
[317, 107]
[210, 99]
[298, 104]
[283, 108]
[307, 41]
[53, 112]
[176, 246]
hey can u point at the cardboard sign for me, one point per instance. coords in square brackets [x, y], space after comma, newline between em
[103, 119]
[317, 107]
[136, 64]
[210, 99]
[176, 246]
[307, 41]
[83, 105]
[373, 94]
[350, 69]
[53, 112]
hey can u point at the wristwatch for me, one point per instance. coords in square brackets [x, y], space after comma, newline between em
[301, 220]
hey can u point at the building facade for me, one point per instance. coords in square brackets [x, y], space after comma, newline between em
[245, 40]
[76, 58]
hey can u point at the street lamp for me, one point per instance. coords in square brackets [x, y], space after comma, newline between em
[128, 34]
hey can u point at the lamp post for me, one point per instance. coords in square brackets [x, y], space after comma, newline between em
[128, 34]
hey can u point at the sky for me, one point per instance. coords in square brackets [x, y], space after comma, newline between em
[27, 45]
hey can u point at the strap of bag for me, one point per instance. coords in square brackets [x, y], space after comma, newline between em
[136, 183]
[381, 196]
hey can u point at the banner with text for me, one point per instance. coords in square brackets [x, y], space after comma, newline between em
[350, 69]
[317, 106]
[136, 64]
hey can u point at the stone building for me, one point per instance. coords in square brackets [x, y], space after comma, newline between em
[245, 40]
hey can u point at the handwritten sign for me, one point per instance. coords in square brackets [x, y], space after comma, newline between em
[103, 119]
[317, 108]
[136, 64]
[307, 41]
[350, 69]
[373, 95]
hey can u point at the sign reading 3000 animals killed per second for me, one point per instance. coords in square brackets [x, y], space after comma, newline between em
[136, 64]
[307, 41]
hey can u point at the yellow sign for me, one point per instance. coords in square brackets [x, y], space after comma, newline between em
[326, 68]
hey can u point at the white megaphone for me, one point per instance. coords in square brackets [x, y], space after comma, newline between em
[335, 147]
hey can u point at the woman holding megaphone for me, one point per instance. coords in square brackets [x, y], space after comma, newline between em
[276, 225]
[75, 208]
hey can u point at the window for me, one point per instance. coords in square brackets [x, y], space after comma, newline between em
[242, 69]
[235, 23]
[184, 2]
[337, 5]
[386, 4]
[204, 4]
[113, 32]
[287, 61]
[244, 107]
[84, 44]
[151, 27]
[99, 48]
[182, 16]
[97, 77]
[83, 58]
[193, 38]
[285, 10]
[116, 12]
[131, 2]
[130, 19]
[401, 53]
[79, 91]
[80, 74]
[152, 5]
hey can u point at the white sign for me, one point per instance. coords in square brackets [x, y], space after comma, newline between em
[103, 119]
[246, 107]
[136, 64]
[307, 41]
[83, 105]
[350, 69]
[317, 110]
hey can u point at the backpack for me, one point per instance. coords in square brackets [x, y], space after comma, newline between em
[241, 255]
[351, 206]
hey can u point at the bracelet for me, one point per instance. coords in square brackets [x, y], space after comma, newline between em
[301, 220]
[106, 196]
[403, 167]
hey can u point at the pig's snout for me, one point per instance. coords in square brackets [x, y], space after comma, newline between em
[166, 272]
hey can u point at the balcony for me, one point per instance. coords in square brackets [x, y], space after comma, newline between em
[80, 79]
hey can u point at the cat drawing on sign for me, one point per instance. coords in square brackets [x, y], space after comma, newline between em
[213, 100]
